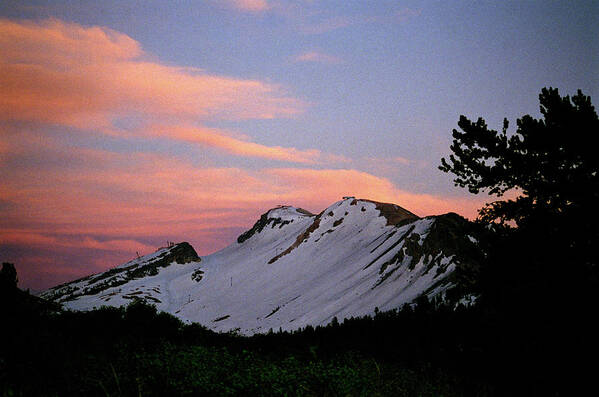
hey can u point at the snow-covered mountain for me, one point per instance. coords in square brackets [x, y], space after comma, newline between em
[293, 268]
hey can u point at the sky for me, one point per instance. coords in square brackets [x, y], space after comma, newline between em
[127, 124]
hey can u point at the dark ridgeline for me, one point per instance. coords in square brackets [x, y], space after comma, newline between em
[531, 331]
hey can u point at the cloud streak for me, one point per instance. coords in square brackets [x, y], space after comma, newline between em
[317, 56]
[90, 77]
[108, 206]
[77, 76]
[309, 20]
[217, 139]
[254, 6]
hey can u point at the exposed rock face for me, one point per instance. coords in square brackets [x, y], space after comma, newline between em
[270, 218]
[180, 253]
[394, 214]
[257, 228]
[300, 239]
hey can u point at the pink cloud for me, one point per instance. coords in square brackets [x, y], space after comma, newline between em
[86, 77]
[249, 5]
[401, 160]
[110, 205]
[57, 44]
[317, 56]
[18, 237]
[215, 138]
[335, 183]
[142, 194]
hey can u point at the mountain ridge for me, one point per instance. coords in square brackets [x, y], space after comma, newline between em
[294, 268]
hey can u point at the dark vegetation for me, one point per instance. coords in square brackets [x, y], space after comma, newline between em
[428, 349]
[532, 330]
[137, 351]
[540, 280]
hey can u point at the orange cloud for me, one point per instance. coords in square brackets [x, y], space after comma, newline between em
[65, 73]
[61, 45]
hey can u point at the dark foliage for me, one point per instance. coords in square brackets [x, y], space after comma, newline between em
[8, 277]
[138, 351]
[540, 282]
[551, 162]
[427, 349]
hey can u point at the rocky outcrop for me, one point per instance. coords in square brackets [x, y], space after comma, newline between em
[179, 253]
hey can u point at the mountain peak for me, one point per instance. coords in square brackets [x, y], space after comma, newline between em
[394, 214]
[287, 212]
